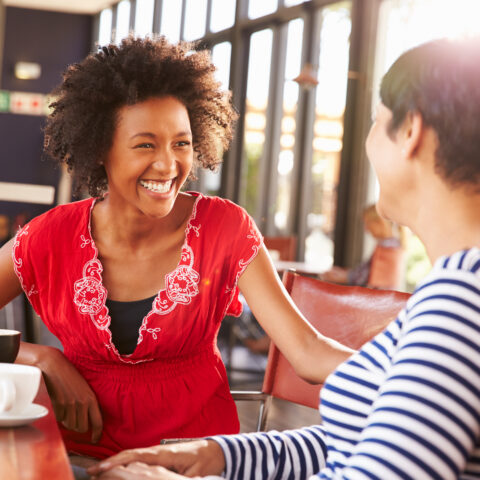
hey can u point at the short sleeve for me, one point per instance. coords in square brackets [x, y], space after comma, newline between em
[245, 243]
[22, 248]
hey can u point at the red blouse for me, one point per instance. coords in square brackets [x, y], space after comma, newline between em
[174, 384]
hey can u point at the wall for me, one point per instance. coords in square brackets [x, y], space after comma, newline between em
[53, 40]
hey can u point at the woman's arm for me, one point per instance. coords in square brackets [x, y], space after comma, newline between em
[73, 400]
[295, 454]
[312, 355]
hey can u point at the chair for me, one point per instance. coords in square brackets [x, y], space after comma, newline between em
[285, 246]
[350, 314]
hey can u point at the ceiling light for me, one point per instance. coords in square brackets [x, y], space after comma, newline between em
[27, 70]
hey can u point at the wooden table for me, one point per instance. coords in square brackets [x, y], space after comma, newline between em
[36, 451]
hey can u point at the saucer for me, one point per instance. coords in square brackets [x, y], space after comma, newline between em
[30, 414]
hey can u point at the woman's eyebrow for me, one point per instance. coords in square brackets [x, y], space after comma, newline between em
[144, 134]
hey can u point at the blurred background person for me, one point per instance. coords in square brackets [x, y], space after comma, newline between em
[385, 268]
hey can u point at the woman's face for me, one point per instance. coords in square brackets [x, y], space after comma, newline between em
[151, 156]
[385, 154]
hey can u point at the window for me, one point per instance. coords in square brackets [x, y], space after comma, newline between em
[255, 115]
[258, 8]
[105, 27]
[123, 20]
[144, 17]
[171, 19]
[285, 159]
[332, 65]
[221, 54]
[223, 14]
[195, 19]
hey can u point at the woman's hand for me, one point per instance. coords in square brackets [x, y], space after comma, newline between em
[74, 402]
[197, 458]
[139, 471]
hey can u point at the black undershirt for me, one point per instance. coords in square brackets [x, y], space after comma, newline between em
[126, 320]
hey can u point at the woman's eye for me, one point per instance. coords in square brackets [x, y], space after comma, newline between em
[144, 145]
[183, 143]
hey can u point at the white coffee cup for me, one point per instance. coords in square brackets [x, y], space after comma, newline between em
[18, 387]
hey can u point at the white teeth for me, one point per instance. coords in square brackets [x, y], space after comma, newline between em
[158, 187]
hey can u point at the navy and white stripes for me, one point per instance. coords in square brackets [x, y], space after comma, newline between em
[406, 406]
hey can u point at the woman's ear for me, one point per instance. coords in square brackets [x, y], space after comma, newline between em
[412, 132]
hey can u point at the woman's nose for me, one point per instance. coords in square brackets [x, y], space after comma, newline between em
[164, 161]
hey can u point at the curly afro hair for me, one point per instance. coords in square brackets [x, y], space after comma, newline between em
[80, 128]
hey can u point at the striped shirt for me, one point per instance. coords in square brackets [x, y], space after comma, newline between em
[406, 406]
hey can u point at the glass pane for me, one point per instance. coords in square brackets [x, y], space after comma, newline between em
[223, 14]
[144, 17]
[255, 114]
[328, 131]
[221, 54]
[259, 8]
[403, 25]
[105, 27]
[171, 19]
[123, 20]
[288, 125]
[195, 18]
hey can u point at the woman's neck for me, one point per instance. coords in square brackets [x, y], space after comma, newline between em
[133, 228]
[449, 221]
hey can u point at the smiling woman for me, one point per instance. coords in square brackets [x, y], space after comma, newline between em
[136, 280]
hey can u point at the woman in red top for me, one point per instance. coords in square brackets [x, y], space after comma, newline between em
[136, 280]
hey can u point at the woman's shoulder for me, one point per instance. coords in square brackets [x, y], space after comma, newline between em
[62, 218]
[218, 206]
[467, 260]
[454, 278]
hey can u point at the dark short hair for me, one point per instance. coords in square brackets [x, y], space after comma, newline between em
[441, 80]
[80, 128]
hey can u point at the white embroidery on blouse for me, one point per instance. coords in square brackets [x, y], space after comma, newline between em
[242, 263]
[18, 262]
[85, 241]
[181, 285]
[90, 295]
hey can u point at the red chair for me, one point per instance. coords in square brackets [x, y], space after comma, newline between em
[285, 246]
[352, 315]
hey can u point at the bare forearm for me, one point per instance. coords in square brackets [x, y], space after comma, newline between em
[73, 400]
[320, 358]
[33, 354]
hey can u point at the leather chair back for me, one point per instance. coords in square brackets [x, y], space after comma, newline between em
[285, 246]
[351, 315]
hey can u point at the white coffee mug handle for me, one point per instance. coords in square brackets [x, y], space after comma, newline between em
[7, 394]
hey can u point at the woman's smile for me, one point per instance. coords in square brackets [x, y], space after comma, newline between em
[157, 186]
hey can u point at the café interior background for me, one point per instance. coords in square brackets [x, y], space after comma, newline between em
[304, 76]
